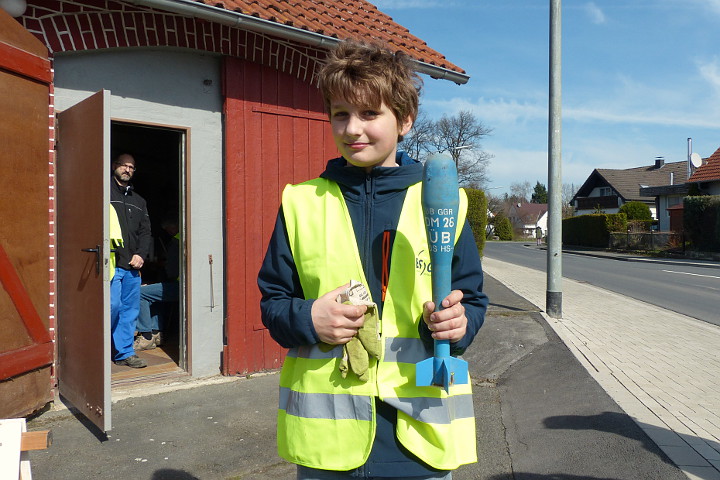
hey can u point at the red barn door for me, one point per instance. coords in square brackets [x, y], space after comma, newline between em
[276, 133]
[26, 348]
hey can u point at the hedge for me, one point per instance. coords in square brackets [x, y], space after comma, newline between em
[592, 230]
[701, 221]
[477, 215]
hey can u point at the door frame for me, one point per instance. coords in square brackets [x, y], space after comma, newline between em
[184, 304]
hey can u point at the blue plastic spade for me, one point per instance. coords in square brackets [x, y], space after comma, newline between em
[440, 204]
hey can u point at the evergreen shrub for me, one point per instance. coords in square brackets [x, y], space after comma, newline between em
[701, 222]
[477, 215]
[503, 227]
[636, 211]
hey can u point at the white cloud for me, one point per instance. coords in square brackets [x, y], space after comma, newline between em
[710, 71]
[713, 5]
[499, 111]
[636, 105]
[510, 166]
[641, 117]
[596, 15]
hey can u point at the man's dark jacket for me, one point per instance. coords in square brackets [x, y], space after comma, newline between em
[134, 223]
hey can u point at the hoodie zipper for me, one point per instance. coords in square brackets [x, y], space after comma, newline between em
[369, 202]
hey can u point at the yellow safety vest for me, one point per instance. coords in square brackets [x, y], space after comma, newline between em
[116, 239]
[328, 422]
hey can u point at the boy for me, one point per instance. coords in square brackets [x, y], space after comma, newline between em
[362, 220]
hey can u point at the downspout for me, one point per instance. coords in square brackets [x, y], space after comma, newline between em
[222, 16]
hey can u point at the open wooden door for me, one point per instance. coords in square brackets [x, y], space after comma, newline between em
[26, 348]
[83, 252]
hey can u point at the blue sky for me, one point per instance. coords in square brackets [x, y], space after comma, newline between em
[639, 77]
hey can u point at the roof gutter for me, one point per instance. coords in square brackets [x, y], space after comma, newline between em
[222, 16]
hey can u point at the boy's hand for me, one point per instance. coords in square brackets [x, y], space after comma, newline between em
[336, 323]
[449, 323]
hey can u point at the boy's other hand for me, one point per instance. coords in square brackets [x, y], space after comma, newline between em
[449, 323]
[336, 323]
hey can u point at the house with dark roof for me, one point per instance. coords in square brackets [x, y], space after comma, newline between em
[526, 218]
[218, 103]
[669, 197]
[607, 189]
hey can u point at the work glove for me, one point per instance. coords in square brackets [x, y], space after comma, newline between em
[366, 344]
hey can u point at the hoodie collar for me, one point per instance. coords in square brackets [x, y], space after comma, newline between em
[408, 172]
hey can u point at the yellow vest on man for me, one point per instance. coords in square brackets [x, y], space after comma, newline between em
[326, 421]
[116, 239]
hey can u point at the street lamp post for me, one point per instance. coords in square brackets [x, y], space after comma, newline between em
[553, 295]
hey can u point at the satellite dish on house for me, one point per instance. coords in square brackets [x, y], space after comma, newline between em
[696, 160]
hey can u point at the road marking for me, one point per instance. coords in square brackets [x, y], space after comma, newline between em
[693, 274]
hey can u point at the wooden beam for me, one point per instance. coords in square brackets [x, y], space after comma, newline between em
[39, 440]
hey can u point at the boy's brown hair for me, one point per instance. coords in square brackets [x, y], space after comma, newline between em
[369, 74]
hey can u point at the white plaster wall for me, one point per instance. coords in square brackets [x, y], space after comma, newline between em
[543, 223]
[663, 216]
[171, 87]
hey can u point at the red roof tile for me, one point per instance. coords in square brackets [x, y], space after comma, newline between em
[347, 19]
[709, 171]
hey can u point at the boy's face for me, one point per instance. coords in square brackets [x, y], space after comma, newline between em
[366, 136]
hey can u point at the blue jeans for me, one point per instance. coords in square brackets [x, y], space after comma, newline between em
[153, 301]
[306, 473]
[124, 308]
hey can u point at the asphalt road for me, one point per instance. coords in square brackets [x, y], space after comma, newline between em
[684, 286]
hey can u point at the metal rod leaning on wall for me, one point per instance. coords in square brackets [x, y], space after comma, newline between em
[212, 287]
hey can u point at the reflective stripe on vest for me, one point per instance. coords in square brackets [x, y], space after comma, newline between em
[315, 401]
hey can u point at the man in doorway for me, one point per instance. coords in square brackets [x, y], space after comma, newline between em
[130, 257]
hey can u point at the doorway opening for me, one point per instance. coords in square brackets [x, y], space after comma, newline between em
[160, 156]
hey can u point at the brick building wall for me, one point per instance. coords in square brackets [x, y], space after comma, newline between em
[65, 26]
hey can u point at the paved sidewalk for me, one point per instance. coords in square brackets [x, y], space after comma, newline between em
[662, 368]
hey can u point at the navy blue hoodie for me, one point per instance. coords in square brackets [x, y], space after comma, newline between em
[374, 201]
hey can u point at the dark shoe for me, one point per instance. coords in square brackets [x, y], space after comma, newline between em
[132, 361]
[142, 343]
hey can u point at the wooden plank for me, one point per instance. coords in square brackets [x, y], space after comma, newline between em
[20, 298]
[235, 167]
[39, 440]
[254, 250]
[25, 359]
[25, 64]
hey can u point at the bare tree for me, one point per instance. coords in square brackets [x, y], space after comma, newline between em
[568, 192]
[495, 202]
[457, 135]
[460, 136]
[417, 142]
[520, 192]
